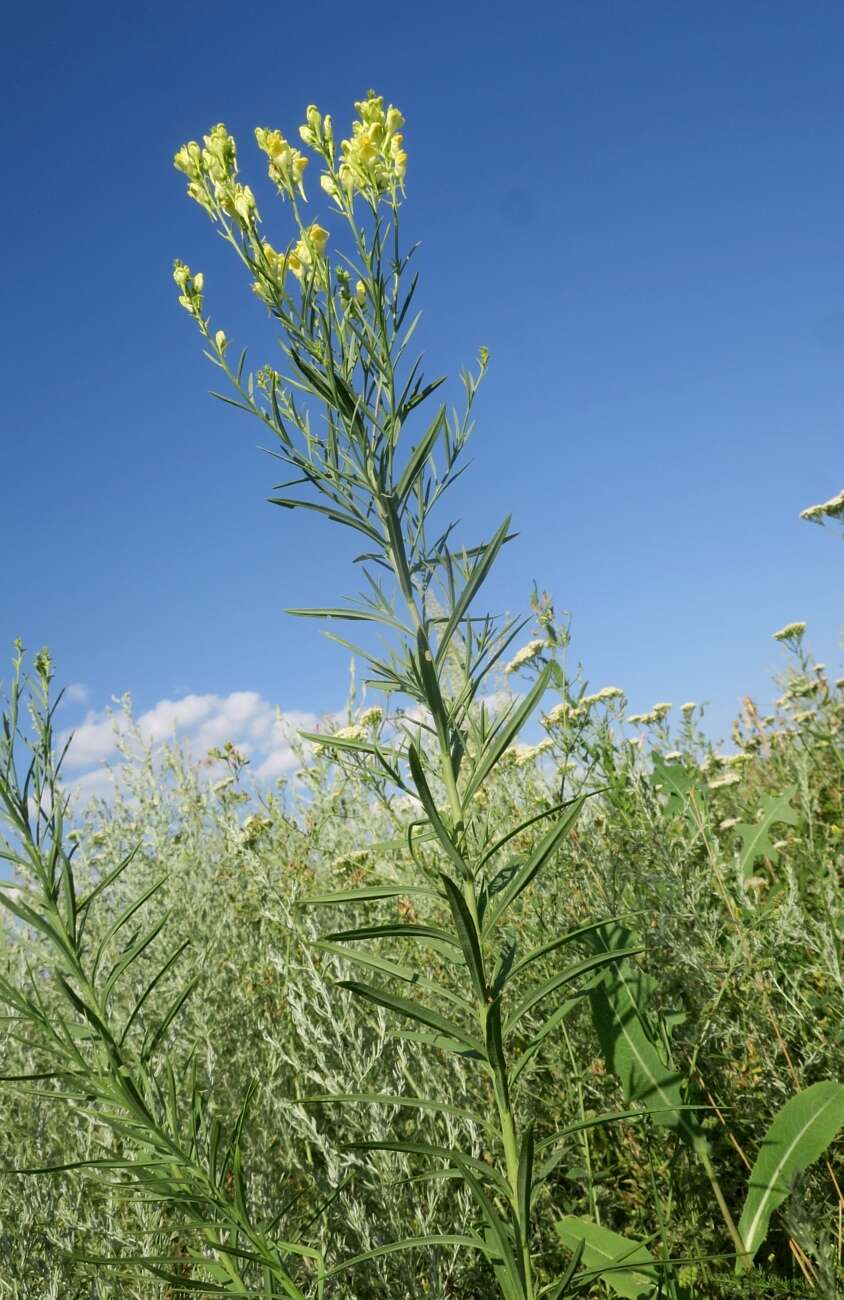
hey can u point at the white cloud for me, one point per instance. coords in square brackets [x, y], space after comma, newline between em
[199, 723]
[77, 693]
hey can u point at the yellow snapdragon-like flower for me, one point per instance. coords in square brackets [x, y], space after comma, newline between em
[373, 161]
[317, 237]
[286, 165]
[239, 201]
[211, 170]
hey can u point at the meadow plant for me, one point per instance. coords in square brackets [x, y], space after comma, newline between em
[462, 1014]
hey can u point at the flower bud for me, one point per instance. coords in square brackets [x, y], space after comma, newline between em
[199, 282]
[220, 340]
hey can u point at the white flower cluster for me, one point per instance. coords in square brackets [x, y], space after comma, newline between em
[791, 632]
[524, 656]
[832, 509]
[602, 696]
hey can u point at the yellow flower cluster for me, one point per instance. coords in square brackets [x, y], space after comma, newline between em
[191, 286]
[306, 257]
[286, 165]
[212, 173]
[374, 160]
[317, 131]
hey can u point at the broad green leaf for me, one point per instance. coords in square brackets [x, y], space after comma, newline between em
[628, 1046]
[755, 836]
[626, 1261]
[674, 782]
[800, 1133]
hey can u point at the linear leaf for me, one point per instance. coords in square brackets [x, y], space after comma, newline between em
[385, 966]
[409, 1243]
[558, 981]
[468, 934]
[476, 579]
[430, 807]
[506, 731]
[412, 1011]
[392, 1099]
[367, 894]
[534, 863]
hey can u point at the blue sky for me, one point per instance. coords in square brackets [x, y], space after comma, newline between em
[638, 208]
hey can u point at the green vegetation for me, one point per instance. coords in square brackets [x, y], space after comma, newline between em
[450, 1014]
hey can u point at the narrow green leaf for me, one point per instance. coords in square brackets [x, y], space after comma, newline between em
[125, 915]
[398, 970]
[418, 457]
[409, 1243]
[412, 1011]
[525, 1179]
[468, 934]
[366, 894]
[571, 973]
[506, 731]
[581, 932]
[333, 513]
[523, 874]
[397, 930]
[430, 807]
[394, 1100]
[477, 577]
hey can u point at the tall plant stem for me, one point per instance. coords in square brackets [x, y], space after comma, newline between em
[506, 1119]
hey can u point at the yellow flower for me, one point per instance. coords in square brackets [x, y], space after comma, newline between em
[244, 203]
[394, 119]
[286, 165]
[317, 237]
[360, 291]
